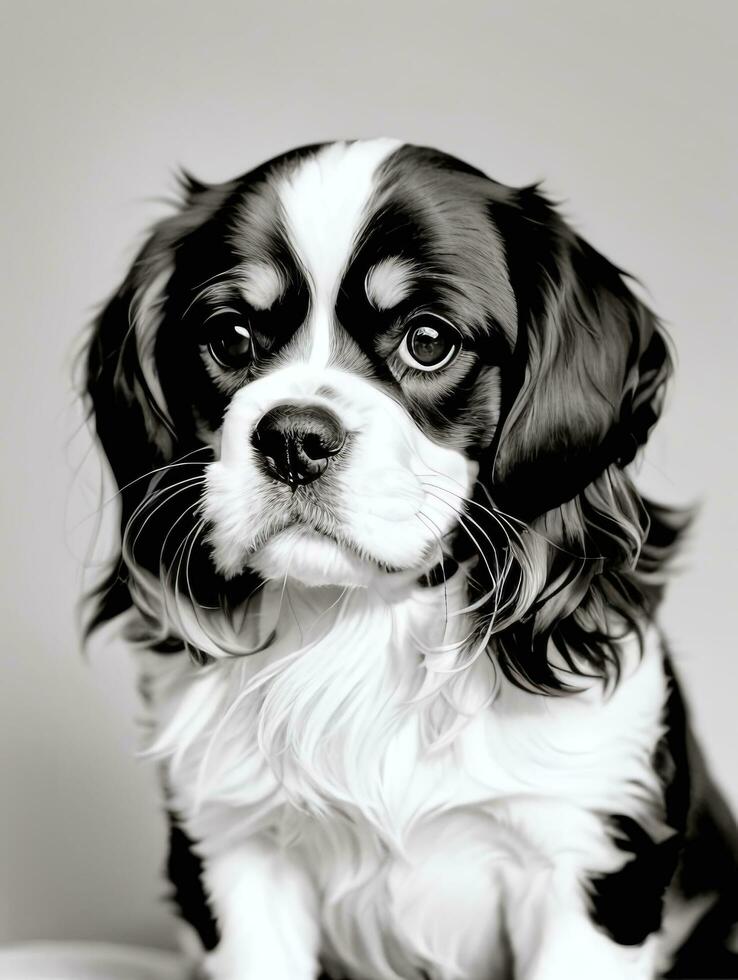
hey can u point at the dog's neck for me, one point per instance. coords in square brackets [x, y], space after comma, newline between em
[328, 686]
[346, 670]
[300, 615]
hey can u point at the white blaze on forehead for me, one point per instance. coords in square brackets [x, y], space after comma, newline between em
[389, 282]
[261, 284]
[324, 204]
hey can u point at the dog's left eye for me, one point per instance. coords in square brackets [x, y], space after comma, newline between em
[229, 342]
[430, 342]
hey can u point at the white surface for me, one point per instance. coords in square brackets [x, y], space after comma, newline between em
[87, 961]
[627, 109]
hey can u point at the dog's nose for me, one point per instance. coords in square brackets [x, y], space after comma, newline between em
[296, 442]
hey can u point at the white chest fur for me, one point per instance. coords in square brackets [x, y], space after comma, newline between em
[420, 794]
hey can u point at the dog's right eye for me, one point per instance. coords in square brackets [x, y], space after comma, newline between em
[229, 341]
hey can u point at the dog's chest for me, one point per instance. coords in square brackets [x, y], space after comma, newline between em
[403, 908]
[417, 808]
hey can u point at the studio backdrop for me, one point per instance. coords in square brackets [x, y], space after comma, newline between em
[626, 112]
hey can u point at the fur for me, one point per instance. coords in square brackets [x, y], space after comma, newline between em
[414, 716]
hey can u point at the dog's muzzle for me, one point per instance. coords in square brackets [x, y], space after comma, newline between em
[297, 441]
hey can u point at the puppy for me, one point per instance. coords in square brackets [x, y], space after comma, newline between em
[393, 589]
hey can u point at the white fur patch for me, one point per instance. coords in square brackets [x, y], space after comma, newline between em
[268, 914]
[324, 201]
[403, 794]
[261, 285]
[389, 282]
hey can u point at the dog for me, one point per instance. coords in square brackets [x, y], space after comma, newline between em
[392, 588]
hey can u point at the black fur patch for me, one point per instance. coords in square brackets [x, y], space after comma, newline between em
[184, 870]
[698, 862]
[708, 867]
[629, 903]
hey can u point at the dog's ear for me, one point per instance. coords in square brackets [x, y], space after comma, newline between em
[580, 394]
[130, 420]
[589, 368]
[127, 405]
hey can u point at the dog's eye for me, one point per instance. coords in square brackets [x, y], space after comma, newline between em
[430, 343]
[229, 341]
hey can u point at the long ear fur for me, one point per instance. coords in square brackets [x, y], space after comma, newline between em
[127, 404]
[592, 362]
[581, 550]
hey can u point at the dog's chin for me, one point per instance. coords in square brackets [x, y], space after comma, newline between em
[314, 559]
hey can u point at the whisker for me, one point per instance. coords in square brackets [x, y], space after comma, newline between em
[500, 515]
[191, 534]
[515, 603]
[160, 469]
[468, 532]
[184, 485]
[155, 494]
[471, 519]
[111, 499]
[436, 532]
[188, 508]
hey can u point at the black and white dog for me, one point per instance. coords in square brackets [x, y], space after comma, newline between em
[370, 415]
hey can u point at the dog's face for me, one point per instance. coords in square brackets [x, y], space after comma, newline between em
[351, 348]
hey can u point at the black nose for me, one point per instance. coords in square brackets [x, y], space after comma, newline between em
[296, 442]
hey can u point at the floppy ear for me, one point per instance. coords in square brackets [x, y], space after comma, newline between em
[591, 364]
[127, 404]
[577, 566]
[130, 421]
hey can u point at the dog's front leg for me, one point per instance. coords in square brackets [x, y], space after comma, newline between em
[553, 936]
[266, 909]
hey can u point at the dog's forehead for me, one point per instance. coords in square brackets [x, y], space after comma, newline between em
[325, 202]
[401, 208]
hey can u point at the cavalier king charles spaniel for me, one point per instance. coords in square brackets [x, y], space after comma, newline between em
[393, 589]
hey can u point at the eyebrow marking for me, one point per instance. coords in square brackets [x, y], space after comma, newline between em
[389, 282]
[261, 284]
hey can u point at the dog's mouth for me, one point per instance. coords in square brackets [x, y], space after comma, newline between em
[360, 534]
[317, 556]
[301, 523]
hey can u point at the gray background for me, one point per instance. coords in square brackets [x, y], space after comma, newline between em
[626, 110]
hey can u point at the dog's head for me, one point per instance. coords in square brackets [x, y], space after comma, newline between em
[365, 360]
